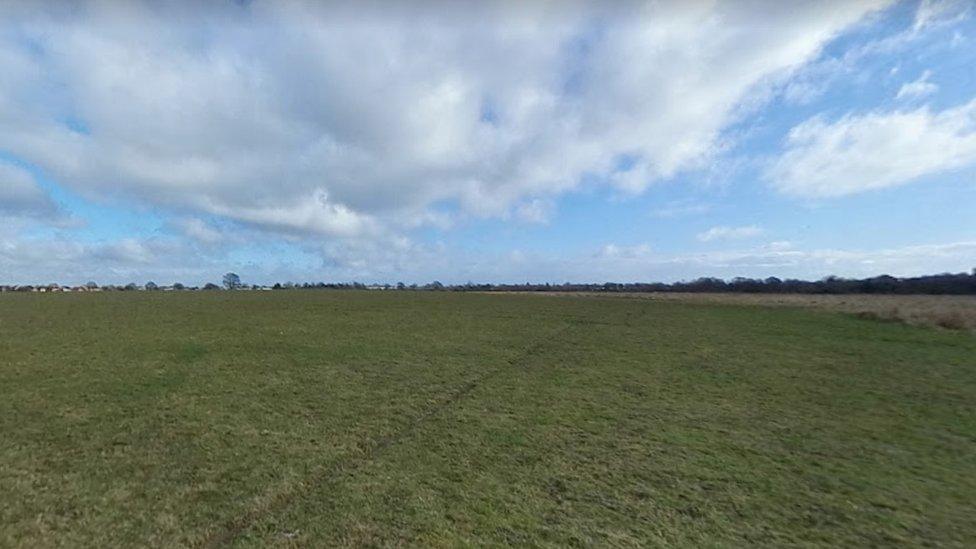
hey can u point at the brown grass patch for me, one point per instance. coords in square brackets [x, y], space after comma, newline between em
[952, 312]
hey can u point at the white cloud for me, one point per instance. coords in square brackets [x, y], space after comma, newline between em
[876, 150]
[199, 231]
[20, 195]
[535, 211]
[775, 259]
[917, 88]
[680, 208]
[729, 233]
[854, 63]
[621, 263]
[940, 12]
[59, 260]
[913, 260]
[314, 120]
[167, 260]
[615, 252]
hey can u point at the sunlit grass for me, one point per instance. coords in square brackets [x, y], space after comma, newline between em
[332, 418]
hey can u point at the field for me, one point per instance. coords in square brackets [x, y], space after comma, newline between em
[411, 418]
[953, 312]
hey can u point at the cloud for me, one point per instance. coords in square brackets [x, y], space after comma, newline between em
[198, 231]
[45, 260]
[615, 252]
[912, 260]
[167, 260]
[319, 121]
[21, 196]
[680, 208]
[917, 88]
[729, 233]
[613, 263]
[859, 153]
[940, 12]
[854, 63]
[535, 211]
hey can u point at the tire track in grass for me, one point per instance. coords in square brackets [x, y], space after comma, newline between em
[232, 529]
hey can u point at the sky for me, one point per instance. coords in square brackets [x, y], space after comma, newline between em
[488, 142]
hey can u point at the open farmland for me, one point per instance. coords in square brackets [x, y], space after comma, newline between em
[389, 418]
[953, 312]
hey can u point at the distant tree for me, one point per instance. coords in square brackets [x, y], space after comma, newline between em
[151, 286]
[91, 285]
[232, 281]
[131, 287]
[179, 286]
[401, 286]
[211, 286]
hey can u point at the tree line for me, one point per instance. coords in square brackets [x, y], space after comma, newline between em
[946, 283]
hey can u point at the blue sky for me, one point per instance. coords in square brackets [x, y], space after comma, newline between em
[499, 143]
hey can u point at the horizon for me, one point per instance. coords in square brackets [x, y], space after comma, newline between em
[495, 143]
[946, 283]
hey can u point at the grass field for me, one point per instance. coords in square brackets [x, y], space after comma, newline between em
[952, 312]
[354, 418]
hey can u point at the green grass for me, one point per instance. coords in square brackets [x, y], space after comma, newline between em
[348, 418]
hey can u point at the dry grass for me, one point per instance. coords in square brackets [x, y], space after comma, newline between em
[951, 312]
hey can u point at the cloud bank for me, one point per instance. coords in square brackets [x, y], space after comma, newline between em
[858, 153]
[321, 140]
[311, 119]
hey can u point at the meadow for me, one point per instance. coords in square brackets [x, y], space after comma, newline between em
[349, 418]
[952, 312]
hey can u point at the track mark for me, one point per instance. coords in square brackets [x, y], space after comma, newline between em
[233, 528]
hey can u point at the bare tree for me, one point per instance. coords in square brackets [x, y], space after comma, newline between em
[232, 281]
